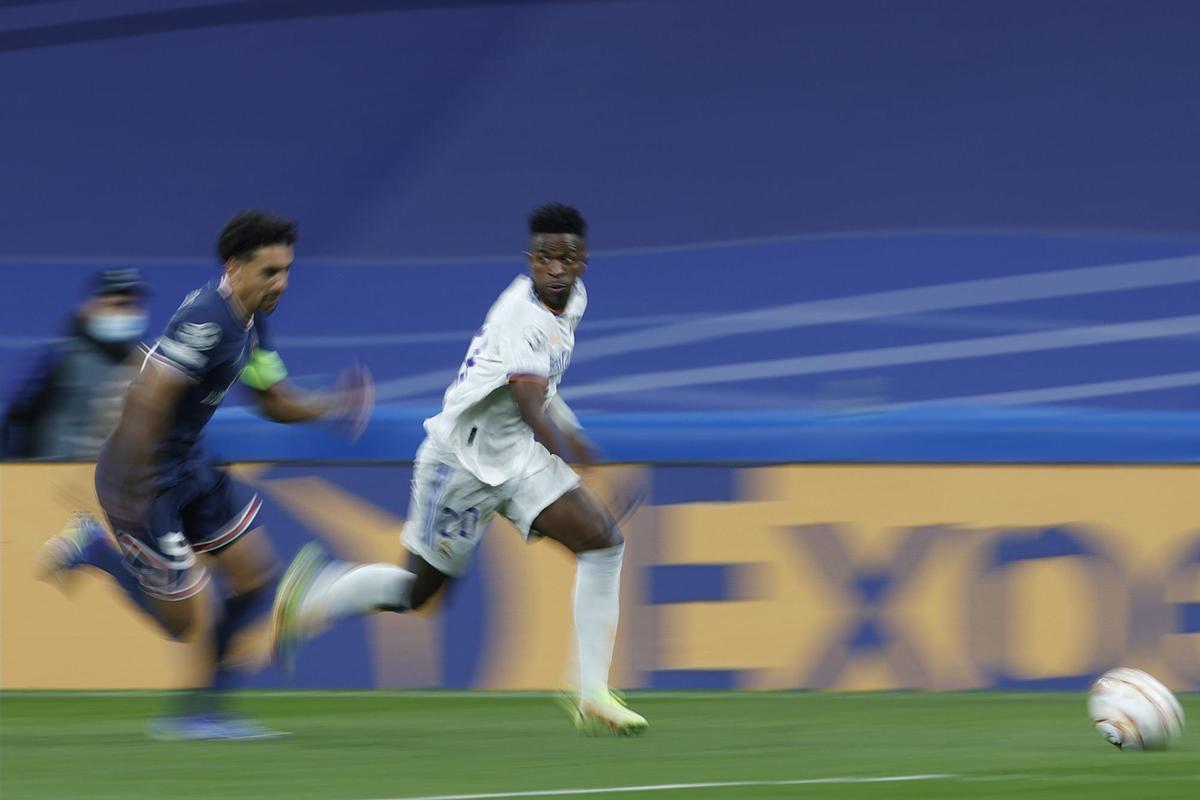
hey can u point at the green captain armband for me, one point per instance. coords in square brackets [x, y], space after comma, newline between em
[264, 369]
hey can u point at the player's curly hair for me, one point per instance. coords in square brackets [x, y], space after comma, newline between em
[557, 218]
[249, 230]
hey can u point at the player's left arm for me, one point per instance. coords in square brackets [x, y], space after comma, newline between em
[563, 417]
[529, 392]
[281, 401]
[284, 403]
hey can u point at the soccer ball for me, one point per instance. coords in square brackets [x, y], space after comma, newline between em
[1134, 711]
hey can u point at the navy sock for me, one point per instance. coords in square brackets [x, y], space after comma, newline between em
[238, 612]
[100, 553]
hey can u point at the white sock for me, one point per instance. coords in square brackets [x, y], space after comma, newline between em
[351, 590]
[597, 606]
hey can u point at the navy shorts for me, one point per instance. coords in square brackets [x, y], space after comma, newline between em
[204, 513]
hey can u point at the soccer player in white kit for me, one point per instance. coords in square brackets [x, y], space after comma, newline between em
[497, 447]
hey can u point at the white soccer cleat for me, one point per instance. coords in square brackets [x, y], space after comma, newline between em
[607, 713]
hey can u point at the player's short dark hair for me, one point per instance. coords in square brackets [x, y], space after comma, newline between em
[249, 230]
[557, 218]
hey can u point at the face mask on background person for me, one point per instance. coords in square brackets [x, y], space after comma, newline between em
[122, 327]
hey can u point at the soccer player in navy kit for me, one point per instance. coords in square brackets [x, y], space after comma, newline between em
[165, 500]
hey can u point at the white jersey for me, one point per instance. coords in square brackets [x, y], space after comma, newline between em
[480, 424]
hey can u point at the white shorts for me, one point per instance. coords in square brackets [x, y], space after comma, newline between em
[448, 508]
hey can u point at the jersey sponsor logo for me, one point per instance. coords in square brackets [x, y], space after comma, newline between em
[199, 335]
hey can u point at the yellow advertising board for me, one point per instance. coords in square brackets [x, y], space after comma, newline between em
[831, 577]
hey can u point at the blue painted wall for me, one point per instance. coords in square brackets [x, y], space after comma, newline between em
[838, 149]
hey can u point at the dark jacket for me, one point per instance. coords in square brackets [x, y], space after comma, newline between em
[67, 403]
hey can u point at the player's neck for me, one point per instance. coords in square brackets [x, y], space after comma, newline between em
[236, 303]
[555, 311]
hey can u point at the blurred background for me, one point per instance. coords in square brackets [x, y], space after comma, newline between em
[892, 305]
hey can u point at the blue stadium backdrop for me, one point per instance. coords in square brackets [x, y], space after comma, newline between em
[892, 304]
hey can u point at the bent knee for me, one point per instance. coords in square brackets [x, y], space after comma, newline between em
[182, 629]
[602, 538]
[419, 598]
[249, 578]
[259, 581]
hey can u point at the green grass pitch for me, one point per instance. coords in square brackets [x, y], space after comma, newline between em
[372, 746]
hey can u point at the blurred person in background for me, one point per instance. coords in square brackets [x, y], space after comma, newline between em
[166, 500]
[69, 402]
[497, 447]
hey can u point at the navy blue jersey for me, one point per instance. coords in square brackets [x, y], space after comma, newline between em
[260, 330]
[208, 344]
[192, 507]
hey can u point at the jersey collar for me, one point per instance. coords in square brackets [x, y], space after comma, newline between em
[533, 295]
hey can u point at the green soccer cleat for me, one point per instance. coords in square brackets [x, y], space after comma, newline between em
[602, 714]
[289, 628]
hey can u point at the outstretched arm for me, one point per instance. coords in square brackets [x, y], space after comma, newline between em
[284, 403]
[280, 401]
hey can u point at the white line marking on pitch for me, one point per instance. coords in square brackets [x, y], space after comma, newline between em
[664, 787]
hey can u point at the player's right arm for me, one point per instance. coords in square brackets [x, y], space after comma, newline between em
[525, 355]
[149, 408]
[190, 348]
[529, 392]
